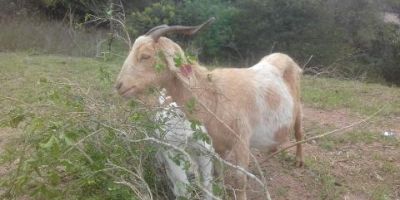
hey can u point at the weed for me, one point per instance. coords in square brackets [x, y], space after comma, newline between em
[381, 192]
[327, 143]
[325, 181]
[282, 191]
[389, 168]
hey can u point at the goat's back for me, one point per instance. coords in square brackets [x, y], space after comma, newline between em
[289, 70]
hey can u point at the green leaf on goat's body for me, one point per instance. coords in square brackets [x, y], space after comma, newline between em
[160, 62]
[178, 60]
[190, 105]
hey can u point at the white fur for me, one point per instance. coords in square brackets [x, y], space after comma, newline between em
[272, 119]
[177, 131]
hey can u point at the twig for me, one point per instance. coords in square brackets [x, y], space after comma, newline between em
[134, 174]
[81, 140]
[272, 47]
[209, 193]
[308, 61]
[133, 188]
[327, 133]
[14, 99]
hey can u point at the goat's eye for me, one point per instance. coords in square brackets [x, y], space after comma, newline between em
[144, 57]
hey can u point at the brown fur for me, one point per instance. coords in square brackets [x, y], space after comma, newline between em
[225, 103]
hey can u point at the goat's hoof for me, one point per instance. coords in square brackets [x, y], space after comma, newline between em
[299, 163]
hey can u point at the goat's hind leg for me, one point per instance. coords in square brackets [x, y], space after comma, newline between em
[298, 134]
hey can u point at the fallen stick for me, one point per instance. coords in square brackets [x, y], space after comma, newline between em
[327, 133]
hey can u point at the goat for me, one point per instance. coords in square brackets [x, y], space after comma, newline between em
[177, 130]
[240, 108]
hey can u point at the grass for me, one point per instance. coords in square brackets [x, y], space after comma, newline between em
[56, 102]
[56, 113]
[381, 192]
[358, 97]
[323, 179]
[43, 36]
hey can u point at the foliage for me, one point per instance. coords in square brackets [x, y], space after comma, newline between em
[211, 43]
[69, 146]
[349, 36]
[156, 14]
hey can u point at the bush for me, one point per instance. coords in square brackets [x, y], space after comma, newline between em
[215, 43]
[75, 140]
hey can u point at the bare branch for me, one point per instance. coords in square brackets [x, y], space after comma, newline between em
[308, 61]
[186, 155]
[133, 174]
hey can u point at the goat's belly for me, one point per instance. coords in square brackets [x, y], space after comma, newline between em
[275, 106]
[262, 138]
[273, 127]
[265, 137]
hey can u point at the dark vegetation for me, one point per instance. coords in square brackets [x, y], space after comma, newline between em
[347, 39]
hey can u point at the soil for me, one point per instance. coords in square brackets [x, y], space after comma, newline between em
[356, 168]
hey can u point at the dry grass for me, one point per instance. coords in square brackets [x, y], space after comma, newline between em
[43, 36]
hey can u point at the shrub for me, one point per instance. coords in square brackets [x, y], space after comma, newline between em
[75, 140]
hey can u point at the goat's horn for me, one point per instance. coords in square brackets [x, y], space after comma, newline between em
[156, 28]
[159, 31]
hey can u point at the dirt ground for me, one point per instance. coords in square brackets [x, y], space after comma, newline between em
[351, 171]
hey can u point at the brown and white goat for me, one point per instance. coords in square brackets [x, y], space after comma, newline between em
[241, 108]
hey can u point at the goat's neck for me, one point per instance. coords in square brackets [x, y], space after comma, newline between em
[200, 90]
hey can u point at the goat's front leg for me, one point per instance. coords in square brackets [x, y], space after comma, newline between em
[242, 153]
[176, 174]
[205, 168]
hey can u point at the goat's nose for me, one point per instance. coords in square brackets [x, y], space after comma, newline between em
[118, 85]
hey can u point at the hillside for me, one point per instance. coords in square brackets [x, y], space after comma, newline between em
[58, 136]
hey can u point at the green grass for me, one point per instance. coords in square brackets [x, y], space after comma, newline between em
[358, 97]
[56, 102]
[381, 192]
[50, 103]
[282, 191]
[324, 180]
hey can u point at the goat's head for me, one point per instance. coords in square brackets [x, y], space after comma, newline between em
[140, 70]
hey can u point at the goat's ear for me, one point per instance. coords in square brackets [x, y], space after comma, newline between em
[171, 63]
[183, 73]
